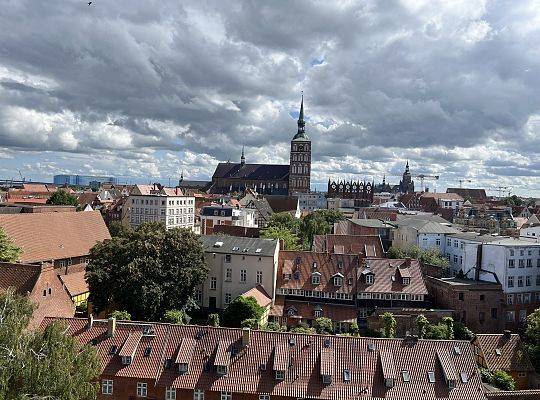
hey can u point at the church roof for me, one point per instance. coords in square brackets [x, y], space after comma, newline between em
[252, 171]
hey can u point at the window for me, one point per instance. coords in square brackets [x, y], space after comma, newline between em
[521, 252]
[327, 379]
[510, 316]
[198, 394]
[264, 397]
[221, 370]
[511, 252]
[389, 382]
[338, 281]
[509, 299]
[259, 277]
[537, 280]
[315, 279]
[527, 281]
[405, 375]
[511, 264]
[369, 279]
[521, 263]
[481, 316]
[406, 281]
[464, 377]
[346, 375]
[126, 360]
[510, 282]
[461, 296]
[228, 275]
[142, 389]
[170, 394]
[227, 258]
[107, 386]
[226, 396]
[493, 313]
[182, 368]
[227, 298]
[243, 276]
[431, 376]
[520, 281]
[438, 242]
[482, 297]
[213, 283]
[522, 315]
[448, 242]
[455, 259]
[529, 262]
[280, 375]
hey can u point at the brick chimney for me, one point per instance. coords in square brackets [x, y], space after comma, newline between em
[246, 337]
[111, 326]
[90, 321]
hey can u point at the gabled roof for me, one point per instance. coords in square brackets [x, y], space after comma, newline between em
[282, 203]
[512, 355]
[251, 171]
[53, 236]
[75, 283]
[260, 294]
[21, 277]
[297, 355]
[365, 245]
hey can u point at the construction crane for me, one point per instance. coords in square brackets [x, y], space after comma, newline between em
[423, 176]
[500, 189]
[463, 180]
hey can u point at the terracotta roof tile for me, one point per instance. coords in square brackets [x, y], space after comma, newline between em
[130, 345]
[512, 355]
[75, 283]
[300, 357]
[185, 351]
[260, 294]
[48, 236]
[327, 361]
[532, 394]
[384, 269]
[21, 277]
[365, 245]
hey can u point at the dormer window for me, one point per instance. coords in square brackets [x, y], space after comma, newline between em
[316, 278]
[389, 382]
[221, 369]
[327, 379]
[340, 264]
[280, 375]
[182, 368]
[126, 360]
[406, 281]
[338, 281]
[370, 279]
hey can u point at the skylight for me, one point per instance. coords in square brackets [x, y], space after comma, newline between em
[498, 352]
[457, 350]
[346, 375]
[464, 377]
[431, 376]
[405, 375]
[258, 250]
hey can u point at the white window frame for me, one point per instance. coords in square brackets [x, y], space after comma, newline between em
[107, 386]
[142, 389]
[170, 393]
[225, 396]
[198, 394]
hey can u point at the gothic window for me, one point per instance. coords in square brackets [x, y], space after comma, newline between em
[306, 169]
[300, 147]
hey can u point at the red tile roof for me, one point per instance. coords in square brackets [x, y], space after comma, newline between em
[261, 295]
[384, 269]
[130, 345]
[303, 264]
[512, 355]
[533, 394]
[21, 277]
[53, 236]
[365, 245]
[75, 283]
[306, 310]
[299, 355]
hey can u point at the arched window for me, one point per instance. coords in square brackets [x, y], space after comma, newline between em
[306, 169]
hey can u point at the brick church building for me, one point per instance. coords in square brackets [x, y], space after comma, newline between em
[269, 179]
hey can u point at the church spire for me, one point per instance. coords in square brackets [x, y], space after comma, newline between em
[407, 167]
[301, 122]
[242, 158]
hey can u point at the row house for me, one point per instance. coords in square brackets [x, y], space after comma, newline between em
[514, 262]
[363, 245]
[237, 264]
[496, 219]
[156, 203]
[173, 362]
[61, 238]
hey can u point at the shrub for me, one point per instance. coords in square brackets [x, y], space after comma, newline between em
[121, 315]
[213, 319]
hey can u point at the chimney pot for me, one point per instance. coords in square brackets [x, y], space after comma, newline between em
[111, 326]
[90, 321]
[246, 337]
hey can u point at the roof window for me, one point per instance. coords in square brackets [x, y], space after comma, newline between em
[406, 375]
[431, 376]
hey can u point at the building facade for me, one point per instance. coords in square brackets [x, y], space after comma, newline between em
[155, 203]
[212, 216]
[84, 180]
[269, 179]
[237, 264]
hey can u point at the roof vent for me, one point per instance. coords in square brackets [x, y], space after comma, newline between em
[292, 341]
[112, 350]
[371, 346]
[457, 350]
[236, 248]
[326, 342]
[218, 244]
[498, 352]
[147, 351]
[200, 334]
[258, 250]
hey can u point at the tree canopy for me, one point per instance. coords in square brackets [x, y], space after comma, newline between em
[532, 338]
[430, 256]
[62, 198]
[241, 309]
[389, 324]
[290, 240]
[9, 252]
[146, 271]
[42, 363]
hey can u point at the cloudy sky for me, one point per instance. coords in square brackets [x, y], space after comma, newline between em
[143, 89]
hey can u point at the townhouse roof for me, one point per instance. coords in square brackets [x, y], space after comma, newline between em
[282, 203]
[426, 225]
[88, 198]
[531, 394]
[296, 268]
[156, 190]
[476, 194]
[504, 351]
[387, 274]
[262, 206]
[239, 245]
[53, 236]
[475, 237]
[251, 171]
[365, 245]
[377, 214]
[223, 211]
[260, 294]
[370, 223]
[443, 196]
[533, 220]
[306, 310]
[464, 283]
[251, 369]
[75, 283]
[21, 277]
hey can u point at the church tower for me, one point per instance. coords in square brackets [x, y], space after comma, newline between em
[300, 160]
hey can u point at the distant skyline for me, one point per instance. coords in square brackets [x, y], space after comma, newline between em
[145, 89]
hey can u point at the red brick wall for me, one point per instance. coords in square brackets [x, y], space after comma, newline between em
[57, 303]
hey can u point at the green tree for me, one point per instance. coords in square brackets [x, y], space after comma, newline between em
[213, 319]
[303, 328]
[354, 329]
[313, 224]
[251, 323]
[147, 272]
[438, 331]
[532, 338]
[45, 363]
[503, 380]
[240, 309]
[395, 252]
[422, 323]
[284, 220]
[274, 327]
[461, 332]
[290, 239]
[121, 315]
[176, 317]
[62, 198]
[449, 323]
[389, 324]
[513, 201]
[9, 252]
[433, 256]
[323, 326]
[116, 228]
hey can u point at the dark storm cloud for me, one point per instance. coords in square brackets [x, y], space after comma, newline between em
[454, 87]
